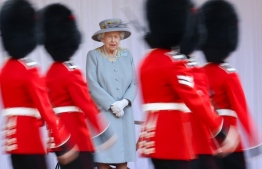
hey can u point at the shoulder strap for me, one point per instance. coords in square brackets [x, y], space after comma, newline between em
[70, 65]
[176, 56]
[227, 67]
[28, 62]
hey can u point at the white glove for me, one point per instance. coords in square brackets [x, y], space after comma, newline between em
[120, 114]
[118, 107]
[114, 109]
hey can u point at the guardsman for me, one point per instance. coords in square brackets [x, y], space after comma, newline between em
[25, 101]
[67, 89]
[227, 94]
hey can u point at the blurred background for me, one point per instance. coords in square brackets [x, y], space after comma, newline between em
[247, 59]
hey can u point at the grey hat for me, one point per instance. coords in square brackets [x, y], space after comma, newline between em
[112, 25]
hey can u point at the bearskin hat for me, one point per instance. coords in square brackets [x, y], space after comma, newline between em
[196, 32]
[167, 21]
[222, 26]
[17, 26]
[60, 35]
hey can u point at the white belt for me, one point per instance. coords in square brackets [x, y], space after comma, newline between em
[64, 109]
[226, 112]
[21, 111]
[165, 106]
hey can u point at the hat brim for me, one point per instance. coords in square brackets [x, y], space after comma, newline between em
[127, 32]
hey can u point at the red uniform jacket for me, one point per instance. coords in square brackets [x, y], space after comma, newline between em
[227, 95]
[201, 137]
[67, 87]
[166, 79]
[22, 91]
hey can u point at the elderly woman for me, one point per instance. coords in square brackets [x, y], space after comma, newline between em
[111, 79]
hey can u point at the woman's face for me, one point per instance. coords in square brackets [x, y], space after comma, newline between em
[111, 40]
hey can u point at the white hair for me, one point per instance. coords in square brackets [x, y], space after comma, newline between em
[101, 35]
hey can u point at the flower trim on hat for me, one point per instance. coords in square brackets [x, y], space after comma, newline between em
[114, 24]
[120, 52]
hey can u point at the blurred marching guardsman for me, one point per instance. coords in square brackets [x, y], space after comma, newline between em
[202, 141]
[226, 90]
[25, 101]
[67, 89]
[168, 92]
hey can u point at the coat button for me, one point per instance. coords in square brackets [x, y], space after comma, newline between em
[117, 88]
[116, 79]
[115, 70]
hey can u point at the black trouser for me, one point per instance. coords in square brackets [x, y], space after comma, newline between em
[233, 161]
[83, 161]
[22, 161]
[170, 164]
[204, 161]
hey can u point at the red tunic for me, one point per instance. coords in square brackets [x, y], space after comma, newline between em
[167, 79]
[202, 138]
[23, 93]
[227, 95]
[67, 87]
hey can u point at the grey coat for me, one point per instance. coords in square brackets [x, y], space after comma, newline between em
[110, 81]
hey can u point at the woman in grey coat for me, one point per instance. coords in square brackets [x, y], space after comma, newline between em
[111, 79]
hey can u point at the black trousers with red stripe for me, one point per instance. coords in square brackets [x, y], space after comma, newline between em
[204, 161]
[83, 161]
[22, 161]
[235, 160]
[170, 164]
